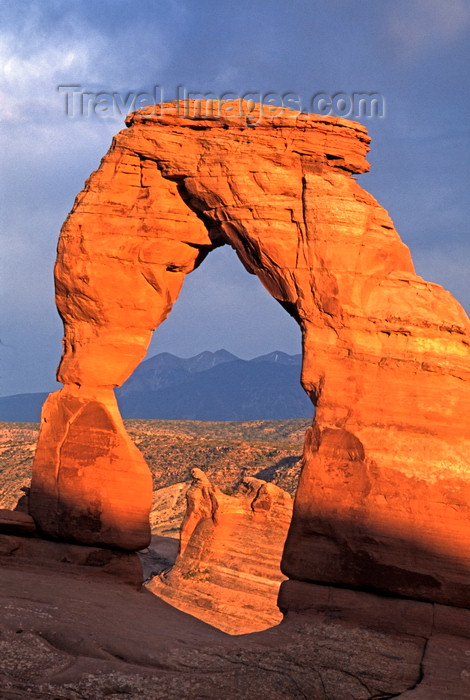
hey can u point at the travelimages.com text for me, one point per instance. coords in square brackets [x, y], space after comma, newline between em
[82, 103]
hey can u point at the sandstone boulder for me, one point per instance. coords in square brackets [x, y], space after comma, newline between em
[228, 572]
[102, 490]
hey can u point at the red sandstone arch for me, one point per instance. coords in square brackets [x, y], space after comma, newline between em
[385, 354]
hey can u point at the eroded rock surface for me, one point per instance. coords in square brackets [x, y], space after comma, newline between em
[383, 500]
[228, 572]
[70, 631]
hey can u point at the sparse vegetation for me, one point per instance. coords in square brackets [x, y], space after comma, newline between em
[225, 450]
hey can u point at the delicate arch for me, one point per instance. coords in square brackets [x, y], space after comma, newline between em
[376, 338]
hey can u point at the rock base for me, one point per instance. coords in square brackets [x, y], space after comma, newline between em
[68, 559]
[87, 637]
[13, 522]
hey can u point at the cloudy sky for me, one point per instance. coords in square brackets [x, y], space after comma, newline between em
[413, 52]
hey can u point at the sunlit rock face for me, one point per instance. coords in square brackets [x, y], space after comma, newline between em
[90, 482]
[383, 500]
[228, 572]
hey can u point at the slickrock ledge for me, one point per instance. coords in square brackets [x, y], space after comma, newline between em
[383, 501]
[70, 631]
[16, 523]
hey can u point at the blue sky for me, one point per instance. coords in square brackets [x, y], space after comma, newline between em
[414, 52]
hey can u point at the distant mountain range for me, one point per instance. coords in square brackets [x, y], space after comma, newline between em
[208, 386]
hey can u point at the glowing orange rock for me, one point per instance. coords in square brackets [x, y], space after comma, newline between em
[383, 501]
[227, 572]
[100, 491]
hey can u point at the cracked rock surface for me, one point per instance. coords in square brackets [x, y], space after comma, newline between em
[71, 631]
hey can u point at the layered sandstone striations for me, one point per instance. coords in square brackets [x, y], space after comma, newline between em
[383, 501]
[227, 572]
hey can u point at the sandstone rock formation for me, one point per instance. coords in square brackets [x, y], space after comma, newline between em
[228, 569]
[383, 500]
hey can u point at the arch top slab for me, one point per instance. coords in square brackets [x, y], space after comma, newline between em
[385, 353]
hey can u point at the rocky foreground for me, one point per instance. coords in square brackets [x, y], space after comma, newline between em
[75, 625]
[76, 622]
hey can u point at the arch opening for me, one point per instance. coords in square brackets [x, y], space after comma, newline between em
[234, 524]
